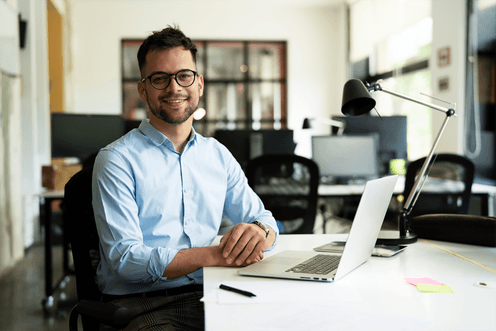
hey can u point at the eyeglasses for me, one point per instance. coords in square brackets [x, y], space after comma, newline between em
[161, 80]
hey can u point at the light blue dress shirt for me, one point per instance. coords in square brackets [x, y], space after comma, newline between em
[150, 202]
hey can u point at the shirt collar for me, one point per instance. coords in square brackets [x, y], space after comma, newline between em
[157, 137]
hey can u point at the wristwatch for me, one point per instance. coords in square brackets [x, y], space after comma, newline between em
[264, 227]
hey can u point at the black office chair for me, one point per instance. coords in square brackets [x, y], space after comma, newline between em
[288, 186]
[452, 177]
[443, 215]
[79, 224]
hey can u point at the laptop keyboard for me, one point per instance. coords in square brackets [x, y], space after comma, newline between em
[320, 264]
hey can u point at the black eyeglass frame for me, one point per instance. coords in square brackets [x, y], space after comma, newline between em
[195, 73]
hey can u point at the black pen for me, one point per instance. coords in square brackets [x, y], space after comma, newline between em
[232, 289]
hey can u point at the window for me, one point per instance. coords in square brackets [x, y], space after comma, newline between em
[132, 106]
[398, 54]
[407, 72]
[419, 123]
[245, 84]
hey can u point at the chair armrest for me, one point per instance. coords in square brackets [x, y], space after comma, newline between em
[459, 228]
[105, 313]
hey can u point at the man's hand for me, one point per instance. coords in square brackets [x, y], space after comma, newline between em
[244, 244]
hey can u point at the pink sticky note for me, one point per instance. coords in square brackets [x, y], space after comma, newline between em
[425, 280]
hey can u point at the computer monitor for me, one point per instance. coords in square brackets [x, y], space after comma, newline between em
[346, 158]
[392, 132]
[131, 124]
[248, 144]
[82, 135]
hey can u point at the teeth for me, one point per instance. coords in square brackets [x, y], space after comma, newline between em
[173, 101]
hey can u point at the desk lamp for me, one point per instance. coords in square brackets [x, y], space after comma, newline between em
[338, 124]
[358, 101]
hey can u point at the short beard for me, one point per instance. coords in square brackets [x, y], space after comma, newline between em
[162, 114]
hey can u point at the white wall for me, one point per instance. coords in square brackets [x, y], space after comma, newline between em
[11, 221]
[449, 30]
[35, 128]
[315, 35]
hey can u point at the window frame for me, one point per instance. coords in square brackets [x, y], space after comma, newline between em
[244, 120]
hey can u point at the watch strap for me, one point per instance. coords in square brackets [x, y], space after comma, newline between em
[263, 227]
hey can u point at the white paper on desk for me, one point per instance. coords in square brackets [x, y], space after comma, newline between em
[269, 290]
[210, 296]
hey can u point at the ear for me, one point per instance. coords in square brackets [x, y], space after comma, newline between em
[200, 84]
[142, 91]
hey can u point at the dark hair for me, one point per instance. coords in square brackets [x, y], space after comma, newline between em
[168, 38]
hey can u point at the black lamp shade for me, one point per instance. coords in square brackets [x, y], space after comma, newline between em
[356, 99]
[306, 124]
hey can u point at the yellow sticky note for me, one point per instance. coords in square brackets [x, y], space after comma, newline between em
[428, 288]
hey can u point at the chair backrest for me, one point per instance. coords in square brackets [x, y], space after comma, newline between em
[80, 227]
[447, 188]
[288, 185]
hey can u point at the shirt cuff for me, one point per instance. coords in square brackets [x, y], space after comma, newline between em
[159, 260]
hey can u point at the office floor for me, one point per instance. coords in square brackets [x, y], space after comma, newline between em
[22, 292]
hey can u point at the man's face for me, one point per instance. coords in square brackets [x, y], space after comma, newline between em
[175, 104]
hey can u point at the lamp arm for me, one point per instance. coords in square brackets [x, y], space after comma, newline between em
[415, 192]
[419, 183]
[330, 122]
[378, 87]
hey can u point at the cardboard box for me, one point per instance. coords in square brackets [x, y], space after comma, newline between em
[56, 175]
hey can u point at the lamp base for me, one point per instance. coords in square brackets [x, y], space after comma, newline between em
[394, 238]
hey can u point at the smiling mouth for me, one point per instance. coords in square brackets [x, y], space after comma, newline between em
[174, 101]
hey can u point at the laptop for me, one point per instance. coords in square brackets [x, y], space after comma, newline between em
[310, 265]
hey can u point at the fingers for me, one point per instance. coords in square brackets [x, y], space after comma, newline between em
[243, 244]
[252, 252]
[224, 238]
[236, 242]
[251, 256]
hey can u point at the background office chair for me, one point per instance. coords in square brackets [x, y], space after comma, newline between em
[443, 215]
[79, 223]
[447, 188]
[288, 185]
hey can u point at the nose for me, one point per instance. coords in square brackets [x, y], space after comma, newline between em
[173, 83]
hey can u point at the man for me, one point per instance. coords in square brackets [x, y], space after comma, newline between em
[160, 192]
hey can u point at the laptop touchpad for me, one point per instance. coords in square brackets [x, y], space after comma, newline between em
[284, 260]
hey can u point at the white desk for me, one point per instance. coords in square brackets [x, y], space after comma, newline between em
[373, 297]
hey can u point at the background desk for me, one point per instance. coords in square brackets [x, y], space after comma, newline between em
[373, 297]
[46, 199]
[486, 193]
